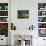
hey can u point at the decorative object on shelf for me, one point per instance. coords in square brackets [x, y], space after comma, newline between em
[3, 19]
[41, 19]
[43, 39]
[3, 6]
[13, 27]
[42, 32]
[6, 7]
[41, 6]
[3, 13]
[23, 14]
[41, 13]
[41, 25]
[31, 27]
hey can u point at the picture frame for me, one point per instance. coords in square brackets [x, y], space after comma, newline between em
[23, 14]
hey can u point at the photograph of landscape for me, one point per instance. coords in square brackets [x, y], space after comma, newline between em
[23, 14]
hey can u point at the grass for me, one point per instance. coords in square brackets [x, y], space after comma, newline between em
[23, 17]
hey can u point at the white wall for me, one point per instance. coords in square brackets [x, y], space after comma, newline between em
[23, 24]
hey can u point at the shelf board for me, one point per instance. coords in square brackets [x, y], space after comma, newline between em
[41, 22]
[3, 10]
[3, 22]
[42, 16]
[3, 16]
[41, 10]
[41, 28]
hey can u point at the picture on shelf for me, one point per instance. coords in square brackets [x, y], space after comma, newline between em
[3, 13]
[42, 33]
[3, 19]
[6, 7]
[4, 29]
[41, 25]
[41, 13]
[41, 19]
[3, 6]
[23, 14]
[41, 6]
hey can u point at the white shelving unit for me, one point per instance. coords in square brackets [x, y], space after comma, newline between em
[42, 10]
[42, 18]
[4, 23]
[4, 12]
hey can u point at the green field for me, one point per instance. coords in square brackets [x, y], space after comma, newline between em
[23, 17]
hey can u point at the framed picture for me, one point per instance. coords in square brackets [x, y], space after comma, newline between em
[23, 14]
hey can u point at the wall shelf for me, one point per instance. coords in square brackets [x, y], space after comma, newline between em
[41, 10]
[41, 22]
[42, 16]
[42, 19]
[3, 16]
[3, 10]
[3, 22]
[4, 19]
[41, 28]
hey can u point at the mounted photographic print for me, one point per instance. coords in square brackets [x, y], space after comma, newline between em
[23, 14]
